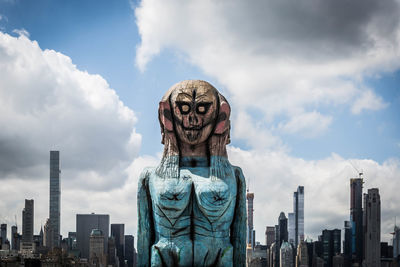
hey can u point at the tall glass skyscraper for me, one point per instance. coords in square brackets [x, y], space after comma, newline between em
[55, 195]
[298, 209]
[356, 218]
[292, 227]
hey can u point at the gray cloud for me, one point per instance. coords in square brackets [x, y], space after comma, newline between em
[315, 30]
[280, 58]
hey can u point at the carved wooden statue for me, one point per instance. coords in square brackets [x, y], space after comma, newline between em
[191, 207]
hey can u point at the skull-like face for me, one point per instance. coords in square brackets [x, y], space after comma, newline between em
[195, 110]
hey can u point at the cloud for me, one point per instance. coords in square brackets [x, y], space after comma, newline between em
[274, 176]
[308, 124]
[278, 57]
[368, 101]
[47, 103]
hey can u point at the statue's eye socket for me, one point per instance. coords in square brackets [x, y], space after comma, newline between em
[184, 107]
[202, 108]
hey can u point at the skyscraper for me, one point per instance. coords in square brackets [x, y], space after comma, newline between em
[302, 255]
[283, 229]
[85, 223]
[347, 243]
[372, 227]
[96, 248]
[250, 228]
[331, 245]
[269, 235]
[27, 221]
[130, 250]
[3, 233]
[286, 255]
[356, 218]
[292, 227]
[298, 210]
[118, 232]
[396, 242]
[55, 192]
[14, 238]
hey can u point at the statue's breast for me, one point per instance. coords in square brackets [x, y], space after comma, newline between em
[215, 198]
[170, 197]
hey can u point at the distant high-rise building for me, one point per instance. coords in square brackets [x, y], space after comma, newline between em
[55, 195]
[356, 218]
[27, 221]
[71, 240]
[331, 245]
[372, 228]
[130, 250]
[277, 246]
[292, 227]
[298, 210]
[283, 229]
[250, 227]
[96, 248]
[14, 238]
[396, 242]
[286, 255]
[112, 258]
[85, 223]
[118, 232]
[48, 235]
[3, 233]
[269, 235]
[347, 243]
[302, 255]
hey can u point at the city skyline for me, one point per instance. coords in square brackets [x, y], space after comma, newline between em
[312, 104]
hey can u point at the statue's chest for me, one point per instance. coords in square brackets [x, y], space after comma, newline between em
[215, 198]
[170, 196]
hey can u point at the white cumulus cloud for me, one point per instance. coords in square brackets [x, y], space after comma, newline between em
[47, 103]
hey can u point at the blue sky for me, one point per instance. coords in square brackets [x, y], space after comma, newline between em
[308, 95]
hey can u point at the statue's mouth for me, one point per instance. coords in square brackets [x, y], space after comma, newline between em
[193, 128]
[192, 134]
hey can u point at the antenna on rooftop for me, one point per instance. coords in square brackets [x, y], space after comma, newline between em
[360, 173]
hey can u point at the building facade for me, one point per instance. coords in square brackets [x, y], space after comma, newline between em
[250, 227]
[85, 223]
[55, 197]
[269, 235]
[3, 234]
[286, 255]
[130, 252]
[302, 255]
[27, 221]
[15, 238]
[372, 228]
[96, 248]
[356, 219]
[291, 227]
[118, 232]
[298, 210]
[331, 245]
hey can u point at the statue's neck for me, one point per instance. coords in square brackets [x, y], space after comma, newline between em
[198, 150]
[194, 155]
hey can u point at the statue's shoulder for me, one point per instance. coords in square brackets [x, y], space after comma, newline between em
[239, 173]
[145, 175]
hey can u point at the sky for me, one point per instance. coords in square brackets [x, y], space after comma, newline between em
[313, 86]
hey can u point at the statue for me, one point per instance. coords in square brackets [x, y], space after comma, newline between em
[192, 206]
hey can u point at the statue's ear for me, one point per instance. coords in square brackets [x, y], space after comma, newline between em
[223, 123]
[165, 116]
